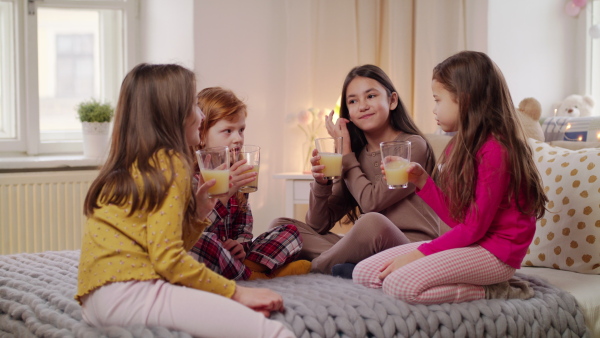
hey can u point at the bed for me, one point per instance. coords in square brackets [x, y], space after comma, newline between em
[36, 299]
[584, 287]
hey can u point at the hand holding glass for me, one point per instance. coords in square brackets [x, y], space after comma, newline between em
[330, 150]
[252, 156]
[395, 156]
[214, 163]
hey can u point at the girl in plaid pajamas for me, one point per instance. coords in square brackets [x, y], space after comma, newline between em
[226, 246]
[486, 188]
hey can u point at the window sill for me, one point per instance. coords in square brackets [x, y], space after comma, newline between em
[19, 163]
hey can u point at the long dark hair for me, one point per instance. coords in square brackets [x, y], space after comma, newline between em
[485, 108]
[399, 120]
[154, 105]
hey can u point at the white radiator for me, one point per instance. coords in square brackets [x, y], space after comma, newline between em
[41, 211]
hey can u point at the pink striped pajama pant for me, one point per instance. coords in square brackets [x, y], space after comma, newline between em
[450, 276]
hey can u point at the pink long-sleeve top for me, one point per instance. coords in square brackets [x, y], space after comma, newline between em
[496, 223]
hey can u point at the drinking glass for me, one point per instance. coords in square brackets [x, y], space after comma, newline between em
[395, 156]
[252, 156]
[214, 163]
[330, 150]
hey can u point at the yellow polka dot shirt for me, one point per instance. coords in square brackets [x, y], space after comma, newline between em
[117, 247]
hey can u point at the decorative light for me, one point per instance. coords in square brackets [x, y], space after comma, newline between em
[568, 126]
[336, 109]
[571, 9]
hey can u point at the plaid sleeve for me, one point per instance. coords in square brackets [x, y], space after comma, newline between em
[241, 221]
[209, 250]
[218, 213]
[218, 217]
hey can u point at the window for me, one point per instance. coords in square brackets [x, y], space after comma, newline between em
[7, 79]
[67, 51]
[75, 65]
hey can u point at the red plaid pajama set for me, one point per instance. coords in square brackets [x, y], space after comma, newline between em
[273, 249]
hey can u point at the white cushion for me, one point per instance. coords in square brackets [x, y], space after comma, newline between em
[568, 236]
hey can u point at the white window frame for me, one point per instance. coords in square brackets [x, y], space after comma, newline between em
[7, 70]
[592, 78]
[26, 69]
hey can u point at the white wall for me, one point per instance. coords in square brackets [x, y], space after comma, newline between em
[167, 31]
[241, 45]
[539, 49]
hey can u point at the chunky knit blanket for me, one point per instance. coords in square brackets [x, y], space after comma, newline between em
[36, 299]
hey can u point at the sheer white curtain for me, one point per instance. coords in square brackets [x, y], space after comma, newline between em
[406, 38]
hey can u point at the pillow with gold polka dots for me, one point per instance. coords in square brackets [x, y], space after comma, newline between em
[568, 236]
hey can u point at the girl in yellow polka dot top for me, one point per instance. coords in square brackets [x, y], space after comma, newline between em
[143, 218]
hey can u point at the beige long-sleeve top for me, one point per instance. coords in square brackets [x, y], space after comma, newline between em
[368, 187]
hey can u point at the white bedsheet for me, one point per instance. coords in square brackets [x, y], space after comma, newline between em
[585, 289]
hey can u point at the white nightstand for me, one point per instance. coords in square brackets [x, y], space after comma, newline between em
[297, 190]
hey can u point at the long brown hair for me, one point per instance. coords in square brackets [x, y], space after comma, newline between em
[217, 104]
[154, 105]
[399, 120]
[485, 109]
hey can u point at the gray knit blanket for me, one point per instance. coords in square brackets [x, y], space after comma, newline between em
[36, 299]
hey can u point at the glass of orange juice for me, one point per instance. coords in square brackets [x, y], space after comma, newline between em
[330, 150]
[252, 156]
[395, 156]
[214, 163]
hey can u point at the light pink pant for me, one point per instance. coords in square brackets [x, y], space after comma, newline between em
[449, 276]
[159, 303]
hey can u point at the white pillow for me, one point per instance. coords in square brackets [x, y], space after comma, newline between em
[568, 236]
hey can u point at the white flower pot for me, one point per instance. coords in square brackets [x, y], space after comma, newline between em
[96, 139]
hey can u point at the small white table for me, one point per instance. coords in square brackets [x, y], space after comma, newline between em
[297, 190]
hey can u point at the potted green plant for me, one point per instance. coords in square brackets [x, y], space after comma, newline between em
[95, 118]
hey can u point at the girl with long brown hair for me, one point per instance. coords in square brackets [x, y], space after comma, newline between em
[143, 216]
[371, 112]
[486, 188]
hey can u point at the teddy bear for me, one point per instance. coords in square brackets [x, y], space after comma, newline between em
[574, 106]
[529, 112]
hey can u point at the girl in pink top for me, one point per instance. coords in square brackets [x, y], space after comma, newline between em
[486, 188]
